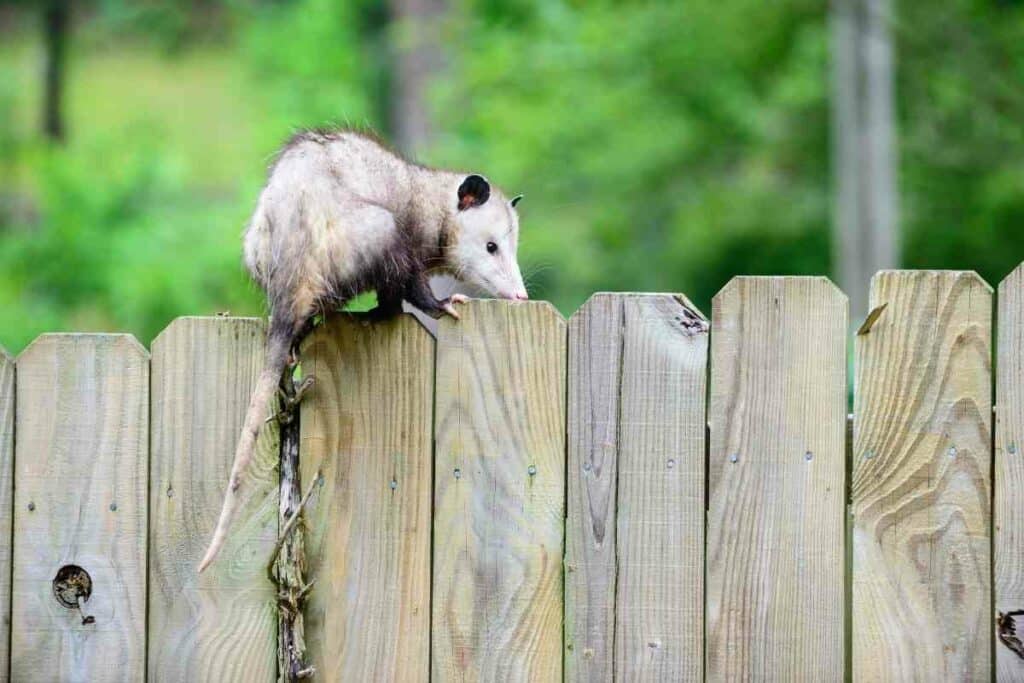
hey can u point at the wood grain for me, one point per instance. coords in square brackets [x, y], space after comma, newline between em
[81, 471]
[220, 625]
[1008, 503]
[595, 362]
[6, 510]
[659, 610]
[368, 424]
[920, 488]
[499, 495]
[637, 376]
[776, 480]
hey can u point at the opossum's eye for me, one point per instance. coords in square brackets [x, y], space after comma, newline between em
[492, 248]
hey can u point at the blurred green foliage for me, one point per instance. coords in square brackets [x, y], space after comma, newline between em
[661, 145]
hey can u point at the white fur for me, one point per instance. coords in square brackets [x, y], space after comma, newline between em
[332, 205]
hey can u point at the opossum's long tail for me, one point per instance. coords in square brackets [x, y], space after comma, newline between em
[279, 343]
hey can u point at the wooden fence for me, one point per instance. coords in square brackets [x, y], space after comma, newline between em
[636, 494]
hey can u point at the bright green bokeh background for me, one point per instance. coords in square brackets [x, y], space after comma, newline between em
[661, 145]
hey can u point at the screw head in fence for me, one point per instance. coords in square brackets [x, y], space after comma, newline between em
[868, 455]
[531, 470]
[671, 463]
[951, 452]
[394, 484]
[1012, 448]
[586, 466]
[113, 507]
[31, 507]
[457, 473]
[734, 458]
[808, 456]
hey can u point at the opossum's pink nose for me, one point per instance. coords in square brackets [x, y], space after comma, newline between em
[521, 295]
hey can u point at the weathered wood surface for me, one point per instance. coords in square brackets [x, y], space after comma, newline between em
[595, 362]
[499, 494]
[659, 610]
[368, 424]
[6, 494]
[921, 480]
[776, 480]
[636, 433]
[81, 472]
[1008, 512]
[220, 625]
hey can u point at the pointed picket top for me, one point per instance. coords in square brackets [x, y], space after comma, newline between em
[5, 356]
[535, 304]
[535, 307]
[257, 325]
[1016, 276]
[603, 298]
[97, 339]
[740, 280]
[969, 275]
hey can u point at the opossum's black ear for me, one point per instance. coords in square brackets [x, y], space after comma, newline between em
[473, 191]
[515, 200]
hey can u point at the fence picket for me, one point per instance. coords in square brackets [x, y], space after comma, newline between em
[368, 424]
[776, 480]
[636, 434]
[6, 494]
[595, 362]
[499, 494]
[921, 480]
[221, 625]
[81, 470]
[1008, 512]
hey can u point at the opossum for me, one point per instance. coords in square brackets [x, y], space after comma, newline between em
[342, 214]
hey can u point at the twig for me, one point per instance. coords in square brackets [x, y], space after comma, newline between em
[292, 521]
[289, 558]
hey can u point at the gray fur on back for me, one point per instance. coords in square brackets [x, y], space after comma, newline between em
[341, 214]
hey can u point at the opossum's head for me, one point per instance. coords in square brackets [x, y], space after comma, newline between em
[482, 248]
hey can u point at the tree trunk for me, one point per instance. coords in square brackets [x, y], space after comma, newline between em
[865, 218]
[56, 16]
[417, 58]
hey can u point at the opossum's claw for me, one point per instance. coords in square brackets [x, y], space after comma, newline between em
[450, 310]
[285, 415]
[447, 305]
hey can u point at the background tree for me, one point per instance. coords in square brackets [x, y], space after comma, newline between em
[54, 16]
[416, 48]
[661, 145]
[56, 23]
[865, 217]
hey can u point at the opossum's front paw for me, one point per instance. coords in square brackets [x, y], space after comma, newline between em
[448, 305]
